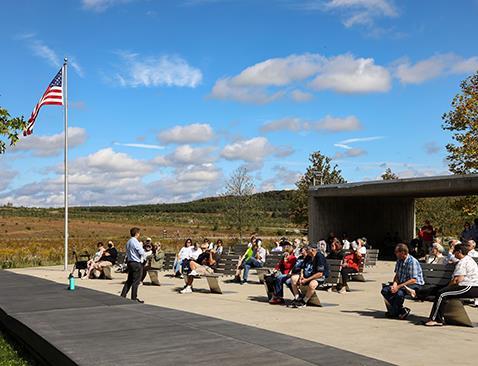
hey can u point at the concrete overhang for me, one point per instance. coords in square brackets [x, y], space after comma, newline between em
[439, 186]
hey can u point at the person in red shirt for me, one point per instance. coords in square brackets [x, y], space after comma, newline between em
[427, 234]
[350, 264]
[282, 272]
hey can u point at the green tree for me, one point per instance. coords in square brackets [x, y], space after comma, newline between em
[242, 210]
[10, 128]
[319, 172]
[389, 175]
[462, 120]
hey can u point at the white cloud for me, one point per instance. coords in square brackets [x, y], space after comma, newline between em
[326, 124]
[347, 74]
[349, 153]
[345, 143]
[141, 146]
[106, 177]
[283, 178]
[354, 12]
[45, 52]
[107, 160]
[252, 150]
[196, 132]
[101, 5]
[266, 81]
[433, 67]
[280, 71]
[226, 89]
[50, 145]
[289, 124]
[6, 177]
[301, 96]
[186, 155]
[42, 50]
[166, 70]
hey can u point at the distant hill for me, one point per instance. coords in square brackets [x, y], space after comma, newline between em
[277, 203]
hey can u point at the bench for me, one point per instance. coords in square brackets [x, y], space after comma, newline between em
[335, 265]
[371, 257]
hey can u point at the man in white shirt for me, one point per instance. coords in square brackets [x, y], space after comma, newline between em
[464, 285]
[194, 251]
[134, 257]
[471, 245]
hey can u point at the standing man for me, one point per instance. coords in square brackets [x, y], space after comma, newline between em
[134, 256]
[408, 275]
[427, 234]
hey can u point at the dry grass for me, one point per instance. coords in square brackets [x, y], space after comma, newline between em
[37, 241]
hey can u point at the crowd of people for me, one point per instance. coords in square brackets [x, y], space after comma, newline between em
[304, 266]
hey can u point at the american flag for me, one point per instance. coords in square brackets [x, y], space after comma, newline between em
[52, 96]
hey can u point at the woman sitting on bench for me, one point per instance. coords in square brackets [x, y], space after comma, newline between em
[464, 285]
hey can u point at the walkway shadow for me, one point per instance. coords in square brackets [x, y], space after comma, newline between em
[380, 314]
[263, 299]
[203, 291]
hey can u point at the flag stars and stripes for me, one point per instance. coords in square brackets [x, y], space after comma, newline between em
[52, 96]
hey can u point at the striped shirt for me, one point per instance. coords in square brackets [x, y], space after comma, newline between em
[409, 268]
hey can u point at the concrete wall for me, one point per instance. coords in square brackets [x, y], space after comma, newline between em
[362, 216]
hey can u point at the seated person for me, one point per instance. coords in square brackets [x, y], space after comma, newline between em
[257, 260]
[219, 247]
[154, 261]
[337, 251]
[464, 285]
[471, 245]
[243, 259]
[201, 266]
[314, 271]
[408, 275]
[108, 258]
[96, 258]
[281, 273]
[181, 256]
[350, 264]
[278, 248]
[436, 255]
[451, 247]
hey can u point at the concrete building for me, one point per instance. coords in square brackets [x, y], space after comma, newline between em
[376, 208]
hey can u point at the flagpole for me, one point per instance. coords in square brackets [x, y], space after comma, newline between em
[65, 102]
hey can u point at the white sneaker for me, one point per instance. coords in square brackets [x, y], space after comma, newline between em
[343, 290]
[186, 290]
[193, 273]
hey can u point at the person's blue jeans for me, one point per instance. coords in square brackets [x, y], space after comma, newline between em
[251, 263]
[177, 266]
[279, 285]
[395, 301]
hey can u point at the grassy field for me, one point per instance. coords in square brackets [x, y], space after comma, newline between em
[34, 237]
[9, 356]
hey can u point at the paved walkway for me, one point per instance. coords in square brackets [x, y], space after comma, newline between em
[354, 321]
[88, 327]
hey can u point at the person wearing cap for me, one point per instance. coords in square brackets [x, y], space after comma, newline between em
[313, 272]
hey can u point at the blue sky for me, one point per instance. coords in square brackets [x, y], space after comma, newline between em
[168, 97]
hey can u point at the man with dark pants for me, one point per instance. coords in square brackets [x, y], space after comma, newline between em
[134, 257]
[408, 276]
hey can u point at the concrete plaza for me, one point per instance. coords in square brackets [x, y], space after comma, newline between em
[354, 321]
